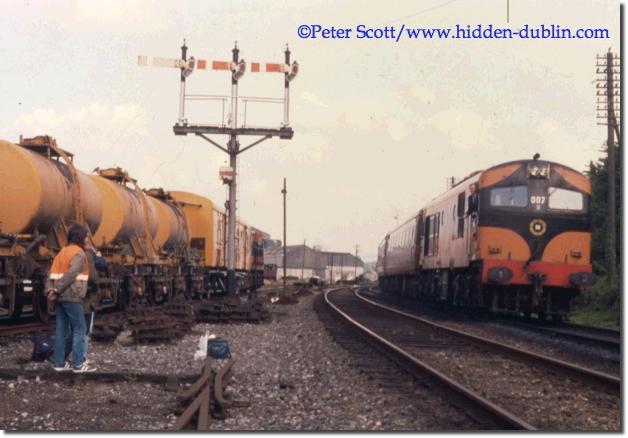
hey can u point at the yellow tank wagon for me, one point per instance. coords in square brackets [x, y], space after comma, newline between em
[158, 244]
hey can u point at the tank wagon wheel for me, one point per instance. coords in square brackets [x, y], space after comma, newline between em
[40, 307]
[17, 310]
[123, 301]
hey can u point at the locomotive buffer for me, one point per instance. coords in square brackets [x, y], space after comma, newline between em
[237, 68]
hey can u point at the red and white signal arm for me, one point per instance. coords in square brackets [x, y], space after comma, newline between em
[226, 174]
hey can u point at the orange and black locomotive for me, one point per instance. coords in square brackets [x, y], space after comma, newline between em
[512, 238]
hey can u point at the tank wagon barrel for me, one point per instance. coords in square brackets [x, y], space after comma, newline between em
[158, 244]
[37, 191]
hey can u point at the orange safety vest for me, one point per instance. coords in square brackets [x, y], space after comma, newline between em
[61, 263]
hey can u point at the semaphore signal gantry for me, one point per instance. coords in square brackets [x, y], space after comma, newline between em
[237, 68]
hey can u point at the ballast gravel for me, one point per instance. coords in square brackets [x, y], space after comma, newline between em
[291, 371]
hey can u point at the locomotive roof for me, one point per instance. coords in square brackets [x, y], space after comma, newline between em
[469, 178]
[527, 161]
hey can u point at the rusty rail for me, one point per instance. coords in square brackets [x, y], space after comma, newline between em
[207, 395]
[479, 406]
[11, 330]
[602, 380]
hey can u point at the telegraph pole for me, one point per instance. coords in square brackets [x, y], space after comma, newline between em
[237, 67]
[331, 273]
[303, 262]
[284, 192]
[355, 275]
[342, 267]
[609, 69]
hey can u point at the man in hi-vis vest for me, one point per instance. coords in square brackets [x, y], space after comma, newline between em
[68, 285]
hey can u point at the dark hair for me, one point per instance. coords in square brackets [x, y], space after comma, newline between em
[77, 234]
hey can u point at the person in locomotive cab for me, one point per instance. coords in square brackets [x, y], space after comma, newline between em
[67, 287]
[473, 201]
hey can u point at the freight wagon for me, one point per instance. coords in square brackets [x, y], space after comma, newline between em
[158, 244]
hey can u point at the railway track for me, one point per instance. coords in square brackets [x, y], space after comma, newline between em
[595, 336]
[486, 375]
[600, 337]
[12, 330]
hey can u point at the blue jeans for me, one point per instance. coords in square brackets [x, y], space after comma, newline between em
[89, 324]
[70, 320]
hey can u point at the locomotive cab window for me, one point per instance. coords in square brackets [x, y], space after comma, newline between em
[516, 196]
[563, 199]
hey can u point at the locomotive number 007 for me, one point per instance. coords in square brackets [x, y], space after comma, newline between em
[538, 200]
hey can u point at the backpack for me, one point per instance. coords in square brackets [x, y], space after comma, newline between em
[218, 348]
[43, 346]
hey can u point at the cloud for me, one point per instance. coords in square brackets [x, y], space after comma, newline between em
[111, 11]
[313, 99]
[93, 113]
[465, 129]
[423, 95]
[397, 129]
[99, 134]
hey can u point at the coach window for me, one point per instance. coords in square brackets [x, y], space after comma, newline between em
[432, 228]
[436, 233]
[461, 201]
[428, 227]
[516, 196]
[563, 199]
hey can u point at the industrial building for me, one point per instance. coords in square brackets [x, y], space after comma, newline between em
[303, 262]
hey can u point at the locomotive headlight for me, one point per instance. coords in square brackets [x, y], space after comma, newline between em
[583, 279]
[499, 274]
[538, 170]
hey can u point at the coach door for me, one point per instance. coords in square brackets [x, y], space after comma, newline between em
[418, 239]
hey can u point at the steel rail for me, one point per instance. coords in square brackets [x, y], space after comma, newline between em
[602, 336]
[607, 338]
[10, 330]
[482, 407]
[593, 329]
[606, 381]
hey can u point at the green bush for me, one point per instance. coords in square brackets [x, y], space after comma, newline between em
[599, 305]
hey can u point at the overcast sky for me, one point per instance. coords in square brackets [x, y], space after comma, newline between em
[379, 125]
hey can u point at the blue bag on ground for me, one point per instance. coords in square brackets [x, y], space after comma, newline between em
[218, 348]
[43, 346]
